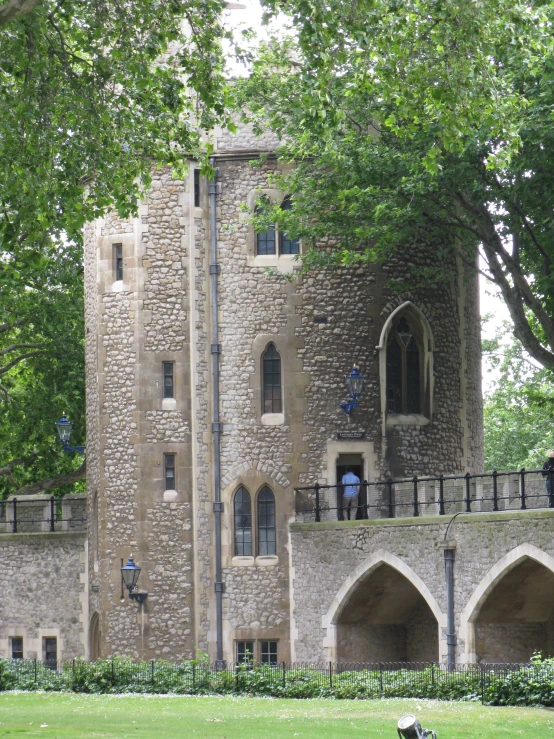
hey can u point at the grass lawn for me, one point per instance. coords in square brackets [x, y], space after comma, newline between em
[64, 716]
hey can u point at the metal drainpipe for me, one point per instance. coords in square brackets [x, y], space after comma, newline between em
[449, 554]
[216, 424]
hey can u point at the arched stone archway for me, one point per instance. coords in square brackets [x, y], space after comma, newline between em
[384, 613]
[94, 637]
[511, 613]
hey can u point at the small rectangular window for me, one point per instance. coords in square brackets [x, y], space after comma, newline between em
[197, 188]
[168, 380]
[118, 261]
[51, 651]
[268, 652]
[245, 652]
[169, 463]
[17, 647]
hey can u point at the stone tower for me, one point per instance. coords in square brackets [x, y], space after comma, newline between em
[163, 467]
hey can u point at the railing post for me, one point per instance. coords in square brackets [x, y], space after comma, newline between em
[551, 491]
[365, 514]
[317, 504]
[14, 522]
[441, 495]
[389, 495]
[284, 675]
[416, 501]
[340, 512]
[330, 674]
[468, 492]
[495, 490]
[522, 488]
[52, 512]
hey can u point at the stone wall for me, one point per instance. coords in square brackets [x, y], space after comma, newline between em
[43, 581]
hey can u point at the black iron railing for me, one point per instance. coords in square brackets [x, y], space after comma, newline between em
[507, 684]
[47, 514]
[428, 496]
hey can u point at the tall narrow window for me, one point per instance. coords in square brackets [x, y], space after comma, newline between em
[17, 647]
[51, 651]
[268, 652]
[403, 370]
[118, 261]
[169, 464]
[168, 380]
[288, 245]
[271, 381]
[243, 523]
[265, 240]
[197, 188]
[266, 522]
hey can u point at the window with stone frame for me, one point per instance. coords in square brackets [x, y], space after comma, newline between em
[403, 368]
[268, 652]
[169, 472]
[118, 261]
[242, 514]
[266, 522]
[271, 381]
[244, 652]
[169, 389]
[50, 650]
[286, 244]
[17, 647]
[266, 241]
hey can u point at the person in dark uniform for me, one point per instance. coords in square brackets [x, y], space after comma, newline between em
[548, 472]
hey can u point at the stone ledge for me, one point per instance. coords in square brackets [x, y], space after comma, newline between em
[497, 517]
[42, 534]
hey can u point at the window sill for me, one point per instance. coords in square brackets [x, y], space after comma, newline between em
[118, 286]
[280, 262]
[273, 419]
[242, 561]
[267, 560]
[410, 419]
[169, 404]
[170, 496]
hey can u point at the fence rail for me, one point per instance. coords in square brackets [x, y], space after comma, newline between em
[34, 514]
[491, 683]
[428, 496]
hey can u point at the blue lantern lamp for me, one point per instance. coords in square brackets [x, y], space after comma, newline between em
[130, 575]
[355, 386]
[64, 427]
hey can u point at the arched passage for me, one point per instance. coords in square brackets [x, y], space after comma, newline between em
[384, 613]
[511, 614]
[94, 637]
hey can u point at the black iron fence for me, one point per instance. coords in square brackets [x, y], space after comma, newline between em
[42, 514]
[427, 496]
[501, 684]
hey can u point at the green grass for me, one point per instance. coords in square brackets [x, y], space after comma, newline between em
[64, 716]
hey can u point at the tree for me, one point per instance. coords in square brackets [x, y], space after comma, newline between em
[93, 94]
[420, 119]
[518, 409]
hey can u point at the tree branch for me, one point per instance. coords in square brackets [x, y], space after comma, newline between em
[17, 360]
[8, 326]
[15, 9]
[13, 347]
[54, 482]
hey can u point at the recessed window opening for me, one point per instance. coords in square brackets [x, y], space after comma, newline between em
[169, 465]
[17, 647]
[268, 652]
[266, 522]
[288, 245]
[243, 523]
[265, 240]
[168, 380]
[403, 370]
[51, 651]
[244, 652]
[271, 381]
[197, 188]
[118, 261]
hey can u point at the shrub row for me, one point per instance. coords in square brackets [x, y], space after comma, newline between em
[527, 685]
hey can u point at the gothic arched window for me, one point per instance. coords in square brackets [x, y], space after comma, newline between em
[271, 381]
[288, 245]
[243, 523]
[266, 522]
[403, 370]
[265, 240]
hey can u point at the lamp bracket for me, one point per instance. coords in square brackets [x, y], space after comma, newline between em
[349, 407]
[76, 449]
[139, 597]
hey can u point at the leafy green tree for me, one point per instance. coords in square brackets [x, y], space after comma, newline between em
[518, 409]
[414, 120]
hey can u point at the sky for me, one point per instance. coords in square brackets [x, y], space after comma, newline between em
[491, 304]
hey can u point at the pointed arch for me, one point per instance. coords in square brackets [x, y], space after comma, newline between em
[425, 348]
[508, 562]
[272, 393]
[266, 534]
[357, 577]
[94, 637]
[242, 519]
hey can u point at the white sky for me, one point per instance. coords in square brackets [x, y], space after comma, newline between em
[491, 303]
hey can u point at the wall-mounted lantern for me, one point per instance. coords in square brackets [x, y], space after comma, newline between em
[64, 427]
[355, 386]
[130, 575]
